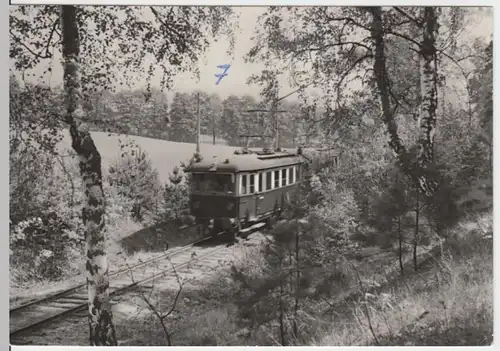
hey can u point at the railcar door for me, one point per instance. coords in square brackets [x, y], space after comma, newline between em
[247, 196]
[266, 195]
[258, 195]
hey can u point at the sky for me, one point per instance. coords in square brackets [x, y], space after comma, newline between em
[235, 83]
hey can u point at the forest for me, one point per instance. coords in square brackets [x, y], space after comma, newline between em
[392, 246]
[227, 119]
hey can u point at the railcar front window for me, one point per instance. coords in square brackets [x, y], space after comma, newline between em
[196, 181]
[221, 183]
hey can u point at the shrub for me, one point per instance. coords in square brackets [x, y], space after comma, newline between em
[135, 179]
[176, 196]
[47, 234]
[29, 171]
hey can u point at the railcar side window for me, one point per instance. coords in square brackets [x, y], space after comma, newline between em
[243, 184]
[283, 177]
[261, 182]
[251, 184]
[269, 180]
[290, 175]
[276, 179]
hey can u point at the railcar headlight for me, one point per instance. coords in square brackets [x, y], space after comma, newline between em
[230, 206]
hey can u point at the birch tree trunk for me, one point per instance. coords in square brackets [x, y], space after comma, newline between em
[102, 331]
[428, 86]
[380, 72]
[417, 229]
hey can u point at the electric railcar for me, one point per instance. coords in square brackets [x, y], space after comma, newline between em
[243, 191]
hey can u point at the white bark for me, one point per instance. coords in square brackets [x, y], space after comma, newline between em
[429, 91]
[101, 327]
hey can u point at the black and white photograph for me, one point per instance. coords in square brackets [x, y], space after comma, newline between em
[279, 175]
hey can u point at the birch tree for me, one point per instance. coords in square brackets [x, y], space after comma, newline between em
[345, 52]
[102, 331]
[92, 41]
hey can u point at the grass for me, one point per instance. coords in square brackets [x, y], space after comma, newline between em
[449, 303]
[24, 291]
[452, 295]
[128, 243]
[201, 316]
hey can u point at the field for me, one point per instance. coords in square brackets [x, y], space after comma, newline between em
[164, 155]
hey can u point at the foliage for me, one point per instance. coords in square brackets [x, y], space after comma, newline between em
[135, 178]
[118, 112]
[176, 196]
[210, 113]
[46, 224]
[28, 175]
[44, 217]
[169, 39]
[183, 118]
[175, 34]
[303, 260]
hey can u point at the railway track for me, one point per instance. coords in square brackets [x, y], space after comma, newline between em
[35, 314]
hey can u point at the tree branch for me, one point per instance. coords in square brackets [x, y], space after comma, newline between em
[54, 26]
[18, 40]
[154, 309]
[365, 304]
[348, 20]
[404, 36]
[357, 62]
[405, 14]
[456, 62]
[172, 308]
[163, 23]
[38, 55]
[402, 96]
[354, 43]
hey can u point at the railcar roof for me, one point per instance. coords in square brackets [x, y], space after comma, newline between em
[246, 162]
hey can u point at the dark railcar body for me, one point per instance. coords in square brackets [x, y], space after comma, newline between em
[213, 206]
[243, 188]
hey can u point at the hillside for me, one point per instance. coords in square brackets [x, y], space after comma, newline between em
[164, 154]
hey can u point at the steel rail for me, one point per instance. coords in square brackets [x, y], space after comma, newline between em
[112, 293]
